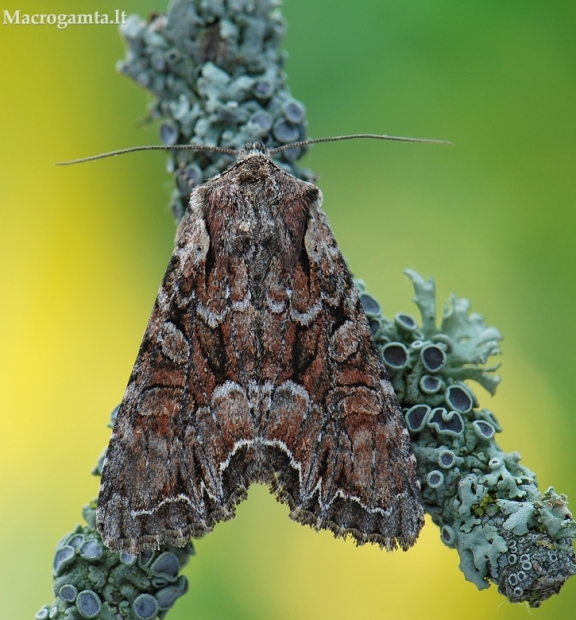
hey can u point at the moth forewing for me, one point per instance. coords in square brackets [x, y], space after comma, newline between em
[258, 365]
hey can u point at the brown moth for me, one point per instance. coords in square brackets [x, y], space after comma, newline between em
[258, 365]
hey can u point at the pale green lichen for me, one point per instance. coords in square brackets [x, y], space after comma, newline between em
[216, 71]
[487, 505]
[91, 581]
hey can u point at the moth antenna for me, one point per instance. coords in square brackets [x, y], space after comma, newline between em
[219, 149]
[156, 147]
[354, 136]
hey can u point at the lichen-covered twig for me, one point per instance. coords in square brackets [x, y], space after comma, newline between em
[487, 505]
[216, 71]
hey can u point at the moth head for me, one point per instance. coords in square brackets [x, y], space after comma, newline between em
[253, 148]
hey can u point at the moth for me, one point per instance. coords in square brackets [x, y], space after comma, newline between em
[258, 365]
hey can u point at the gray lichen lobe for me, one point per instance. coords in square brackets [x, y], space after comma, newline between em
[487, 505]
[216, 71]
[92, 582]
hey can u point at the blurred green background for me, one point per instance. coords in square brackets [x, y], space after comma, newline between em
[83, 250]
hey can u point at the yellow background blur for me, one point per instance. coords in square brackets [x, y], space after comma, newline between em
[83, 249]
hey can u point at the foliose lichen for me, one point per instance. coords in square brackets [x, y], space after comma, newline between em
[217, 74]
[487, 506]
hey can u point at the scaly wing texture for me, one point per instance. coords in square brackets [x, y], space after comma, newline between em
[342, 456]
[257, 365]
[164, 477]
